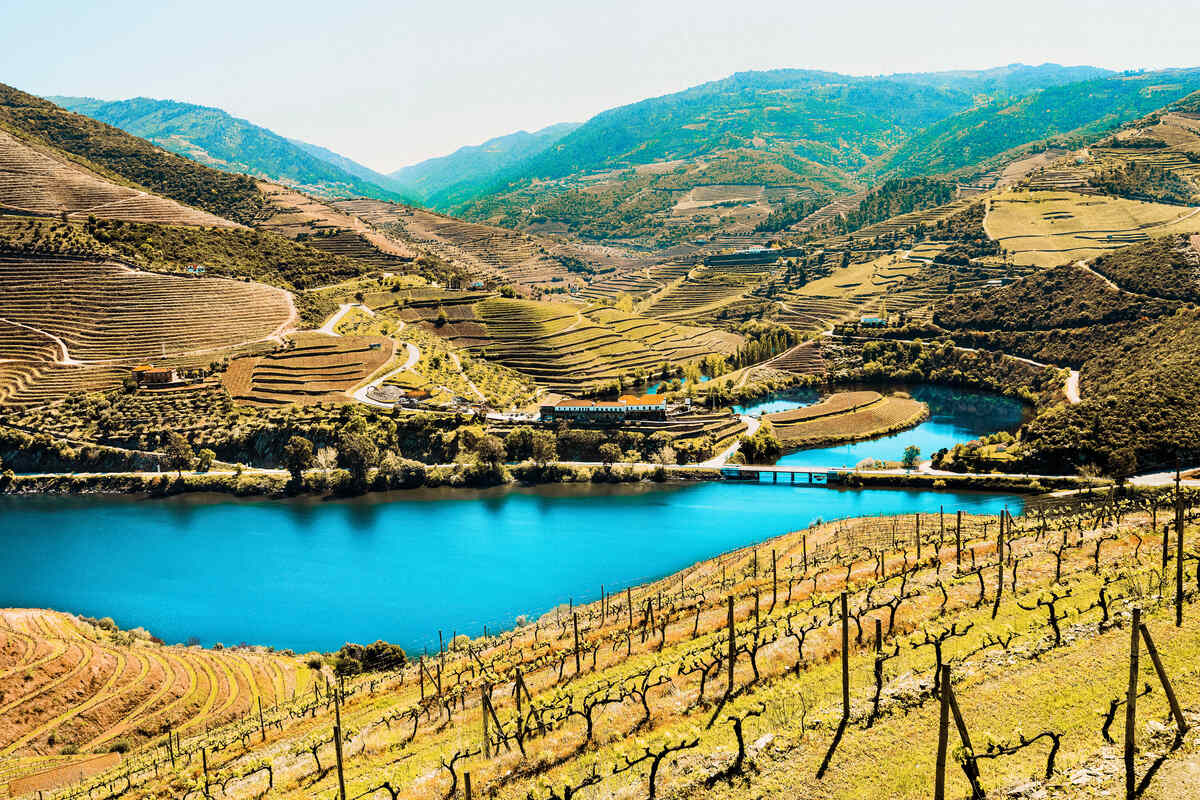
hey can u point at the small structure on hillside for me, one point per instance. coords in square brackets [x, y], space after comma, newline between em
[627, 406]
[150, 375]
[873, 322]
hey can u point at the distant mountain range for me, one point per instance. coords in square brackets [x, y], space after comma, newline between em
[629, 170]
[215, 138]
[454, 178]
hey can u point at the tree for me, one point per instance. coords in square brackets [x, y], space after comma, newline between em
[911, 454]
[204, 460]
[326, 459]
[490, 450]
[357, 453]
[609, 454]
[1122, 464]
[543, 448]
[519, 443]
[298, 456]
[179, 453]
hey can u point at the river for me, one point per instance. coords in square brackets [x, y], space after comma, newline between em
[311, 574]
[955, 416]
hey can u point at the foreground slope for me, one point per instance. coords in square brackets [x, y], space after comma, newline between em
[642, 702]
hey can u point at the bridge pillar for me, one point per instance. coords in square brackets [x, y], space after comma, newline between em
[774, 477]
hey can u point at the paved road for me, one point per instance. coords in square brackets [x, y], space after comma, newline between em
[330, 326]
[752, 425]
[414, 355]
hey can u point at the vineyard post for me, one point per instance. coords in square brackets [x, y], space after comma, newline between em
[467, 784]
[629, 628]
[575, 622]
[603, 608]
[170, 747]
[845, 660]
[1176, 711]
[774, 579]
[999, 569]
[918, 536]
[755, 565]
[939, 780]
[958, 538]
[483, 699]
[204, 763]
[262, 728]
[1178, 552]
[337, 744]
[1131, 707]
[804, 548]
[941, 525]
[732, 650]
[970, 767]
[421, 674]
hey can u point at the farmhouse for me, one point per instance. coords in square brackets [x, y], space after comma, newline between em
[607, 411]
[148, 375]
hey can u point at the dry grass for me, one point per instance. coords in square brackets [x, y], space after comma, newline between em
[1049, 228]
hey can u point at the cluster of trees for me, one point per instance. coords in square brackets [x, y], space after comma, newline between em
[790, 213]
[1164, 267]
[763, 340]
[969, 239]
[353, 659]
[894, 197]
[1138, 181]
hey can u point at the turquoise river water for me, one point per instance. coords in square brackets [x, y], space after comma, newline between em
[311, 574]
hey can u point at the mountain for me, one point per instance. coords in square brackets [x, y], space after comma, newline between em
[215, 138]
[449, 179]
[679, 166]
[117, 156]
[1082, 111]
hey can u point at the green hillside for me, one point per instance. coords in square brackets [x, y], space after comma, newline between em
[215, 138]
[441, 182]
[799, 133]
[126, 158]
[1082, 111]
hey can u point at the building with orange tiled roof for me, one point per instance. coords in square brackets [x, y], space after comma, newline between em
[627, 406]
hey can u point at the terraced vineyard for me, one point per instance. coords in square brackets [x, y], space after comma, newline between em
[565, 349]
[704, 289]
[85, 324]
[39, 180]
[66, 682]
[488, 251]
[320, 225]
[846, 416]
[311, 367]
[1049, 228]
[725, 678]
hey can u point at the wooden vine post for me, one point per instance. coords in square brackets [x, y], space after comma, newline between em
[575, 622]
[732, 656]
[841, 729]
[939, 780]
[958, 539]
[1178, 552]
[337, 744]
[1131, 696]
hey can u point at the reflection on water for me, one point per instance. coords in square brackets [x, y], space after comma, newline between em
[955, 416]
[313, 574]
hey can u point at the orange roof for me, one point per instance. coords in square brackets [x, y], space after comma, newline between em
[573, 403]
[642, 400]
[610, 404]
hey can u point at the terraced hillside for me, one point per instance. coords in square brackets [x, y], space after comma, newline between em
[566, 348]
[309, 367]
[725, 680]
[38, 180]
[1048, 228]
[318, 224]
[488, 251]
[68, 683]
[85, 324]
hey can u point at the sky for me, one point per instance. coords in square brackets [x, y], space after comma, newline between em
[391, 83]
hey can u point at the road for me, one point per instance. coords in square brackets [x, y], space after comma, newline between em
[360, 394]
[330, 326]
[752, 425]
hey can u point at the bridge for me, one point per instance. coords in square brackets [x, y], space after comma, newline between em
[792, 476]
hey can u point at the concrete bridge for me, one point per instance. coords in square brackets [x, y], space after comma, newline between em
[792, 476]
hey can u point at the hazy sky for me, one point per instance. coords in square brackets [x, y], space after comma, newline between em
[391, 83]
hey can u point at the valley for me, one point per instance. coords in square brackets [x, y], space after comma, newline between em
[716, 446]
